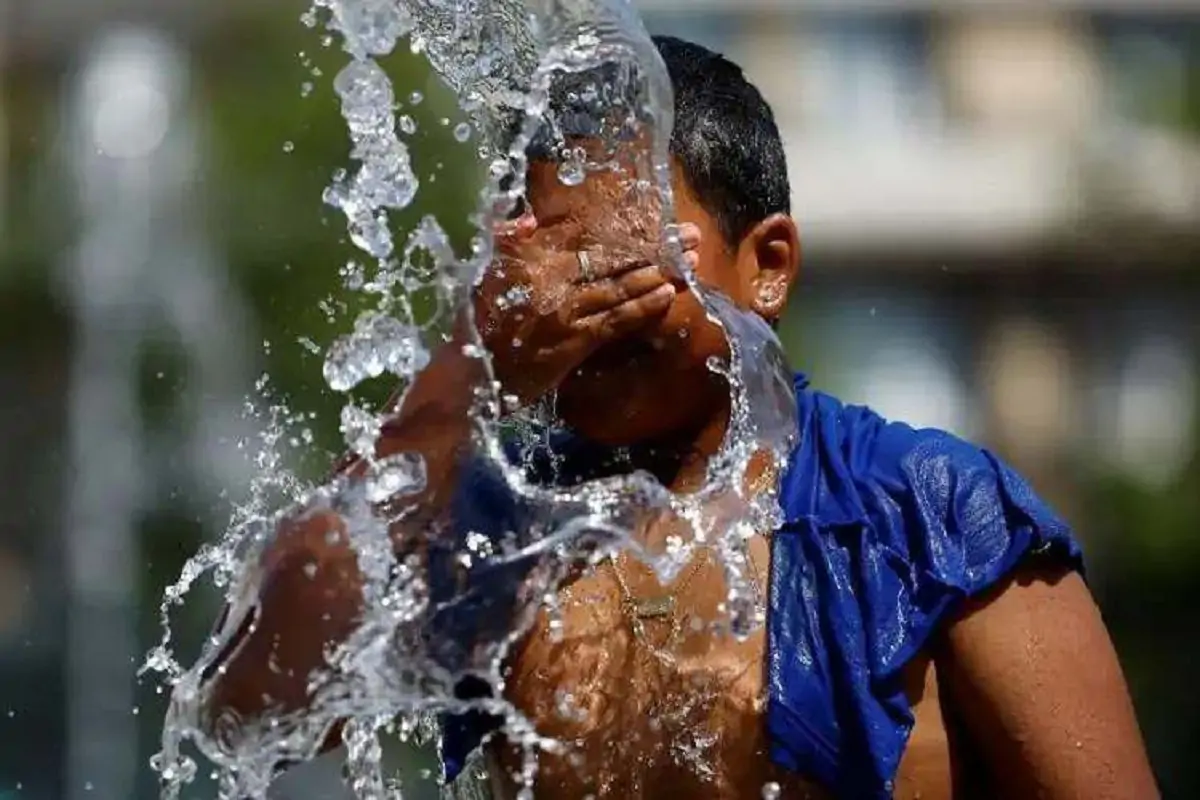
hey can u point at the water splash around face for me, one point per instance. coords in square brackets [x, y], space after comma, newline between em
[533, 77]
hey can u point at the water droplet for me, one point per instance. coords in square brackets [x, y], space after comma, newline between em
[462, 132]
[515, 297]
[416, 98]
[310, 569]
[378, 344]
[573, 169]
[385, 179]
[480, 544]
[770, 790]
[571, 173]
[370, 28]
[360, 429]
[408, 125]
[288, 147]
[395, 476]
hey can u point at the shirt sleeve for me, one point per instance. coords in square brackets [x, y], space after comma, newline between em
[955, 520]
[889, 529]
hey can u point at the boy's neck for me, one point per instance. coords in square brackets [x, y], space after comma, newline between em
[681, 462]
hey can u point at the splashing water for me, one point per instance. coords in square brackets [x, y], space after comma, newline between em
[525, 73]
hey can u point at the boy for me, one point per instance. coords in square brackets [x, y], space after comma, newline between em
[928, 633]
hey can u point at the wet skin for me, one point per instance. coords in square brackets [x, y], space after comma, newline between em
[637, 727]
[1020, 696]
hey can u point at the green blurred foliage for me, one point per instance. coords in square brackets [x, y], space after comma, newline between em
[1190, 116]
[270, 148]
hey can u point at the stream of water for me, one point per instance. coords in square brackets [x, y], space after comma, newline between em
[519, 69]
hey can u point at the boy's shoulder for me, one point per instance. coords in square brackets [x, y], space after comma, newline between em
[921, 491]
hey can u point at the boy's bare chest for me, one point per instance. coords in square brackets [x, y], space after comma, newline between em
[670, 708]
[642, 709]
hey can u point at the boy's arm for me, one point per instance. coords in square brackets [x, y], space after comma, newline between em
[1036, 681]
[309, 595]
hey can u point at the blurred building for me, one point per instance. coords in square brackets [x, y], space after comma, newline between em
[964, 174]
[922, 124]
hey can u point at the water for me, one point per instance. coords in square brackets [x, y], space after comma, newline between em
[521, 71]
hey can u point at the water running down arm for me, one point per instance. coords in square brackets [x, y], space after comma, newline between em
[310, 596]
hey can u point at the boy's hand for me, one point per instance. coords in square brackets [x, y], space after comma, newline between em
[548, 303]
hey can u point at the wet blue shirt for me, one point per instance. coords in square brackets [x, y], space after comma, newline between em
[887, 529]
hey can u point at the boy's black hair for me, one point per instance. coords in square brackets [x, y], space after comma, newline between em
[725, 138]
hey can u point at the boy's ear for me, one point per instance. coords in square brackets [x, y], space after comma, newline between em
[770, 253]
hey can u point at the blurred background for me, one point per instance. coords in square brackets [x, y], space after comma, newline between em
[1001, 209]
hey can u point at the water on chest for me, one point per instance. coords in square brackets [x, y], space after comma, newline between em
[676, 708]
[677, 711]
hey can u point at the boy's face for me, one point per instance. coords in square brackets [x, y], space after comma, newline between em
[655, 384]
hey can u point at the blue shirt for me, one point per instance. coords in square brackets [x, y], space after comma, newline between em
[887, 530]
